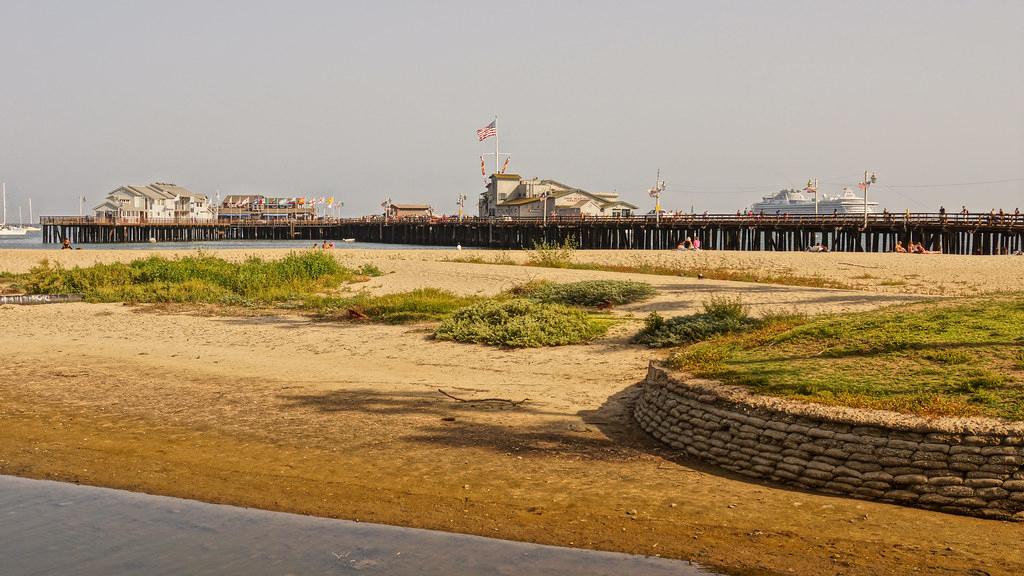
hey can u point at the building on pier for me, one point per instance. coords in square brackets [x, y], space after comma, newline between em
[513, 196]
[156, 201]
[400, 211]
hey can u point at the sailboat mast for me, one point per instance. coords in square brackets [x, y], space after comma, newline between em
[30, 212]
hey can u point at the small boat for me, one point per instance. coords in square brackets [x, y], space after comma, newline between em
[30, 227]
[5, 230]
[349, 240]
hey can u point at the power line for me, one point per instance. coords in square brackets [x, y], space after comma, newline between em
[956, 184]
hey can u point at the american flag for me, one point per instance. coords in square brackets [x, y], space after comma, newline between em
[487, 131]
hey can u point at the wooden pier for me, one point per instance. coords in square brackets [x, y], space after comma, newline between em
[959, 234]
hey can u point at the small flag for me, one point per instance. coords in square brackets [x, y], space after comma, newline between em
[487, 131]
[862, 185]
[483, 171]
[330, 202]
[505, 166]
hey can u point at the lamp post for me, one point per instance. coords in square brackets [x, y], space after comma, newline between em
[462, 204]
[659, 187]
[869, 179]
[386, 204]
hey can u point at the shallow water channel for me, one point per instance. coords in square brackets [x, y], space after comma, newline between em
[56, 528]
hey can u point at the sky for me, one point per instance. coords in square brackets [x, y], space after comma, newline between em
[362, 101]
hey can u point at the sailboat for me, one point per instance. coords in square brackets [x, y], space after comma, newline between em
[31, 222]
[5, 230]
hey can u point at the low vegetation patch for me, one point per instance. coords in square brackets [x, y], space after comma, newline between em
[589, 293]
[963, 358]
[563, 255]
[720, 316]
[421, 305]
[197, 279]
[520, 323]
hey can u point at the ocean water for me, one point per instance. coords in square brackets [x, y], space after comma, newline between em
[57, 528]
[34, 241]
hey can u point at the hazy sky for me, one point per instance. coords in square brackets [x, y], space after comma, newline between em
[364, 100]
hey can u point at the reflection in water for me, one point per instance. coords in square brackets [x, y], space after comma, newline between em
[55, 528]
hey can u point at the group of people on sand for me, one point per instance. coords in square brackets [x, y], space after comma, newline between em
[325, 246]
[913, 248]
[689, 244]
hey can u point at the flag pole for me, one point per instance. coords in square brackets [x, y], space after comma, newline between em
[495, 148]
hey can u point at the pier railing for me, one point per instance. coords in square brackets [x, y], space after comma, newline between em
[916, 218]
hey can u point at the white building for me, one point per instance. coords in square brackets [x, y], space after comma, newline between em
[511, 195]
[160, 200]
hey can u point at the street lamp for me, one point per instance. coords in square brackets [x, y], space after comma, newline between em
[659, 187]
[386, 204]
[869, 179]
[462, 204]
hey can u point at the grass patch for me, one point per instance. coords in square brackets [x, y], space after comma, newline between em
[421, 305]
[963, 358]
[589, 293]
[197, 279]
[547, 255]
[520, 323]
[553, 255]
[720, 316]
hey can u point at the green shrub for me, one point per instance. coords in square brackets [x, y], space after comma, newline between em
[587, 293]
[720, 316]
[553, 255]
[200, 278]
[370, 270]
[520, 323]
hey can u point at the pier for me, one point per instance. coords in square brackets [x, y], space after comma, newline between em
[982, 234]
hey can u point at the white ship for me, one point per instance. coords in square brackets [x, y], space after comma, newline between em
[798, 202]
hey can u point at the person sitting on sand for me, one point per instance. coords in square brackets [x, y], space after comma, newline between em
[696, 243]
[65, 244]
[688, 243]
[899, 247]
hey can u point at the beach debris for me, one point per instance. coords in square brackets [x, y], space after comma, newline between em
[40, 299]
[512, 403]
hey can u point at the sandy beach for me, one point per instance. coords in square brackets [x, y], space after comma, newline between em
[345, 420]
[933, 274]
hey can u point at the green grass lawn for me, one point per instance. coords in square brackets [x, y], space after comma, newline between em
[952, 358]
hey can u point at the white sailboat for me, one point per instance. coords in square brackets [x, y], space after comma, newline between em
[31, 223]
[5, 230]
